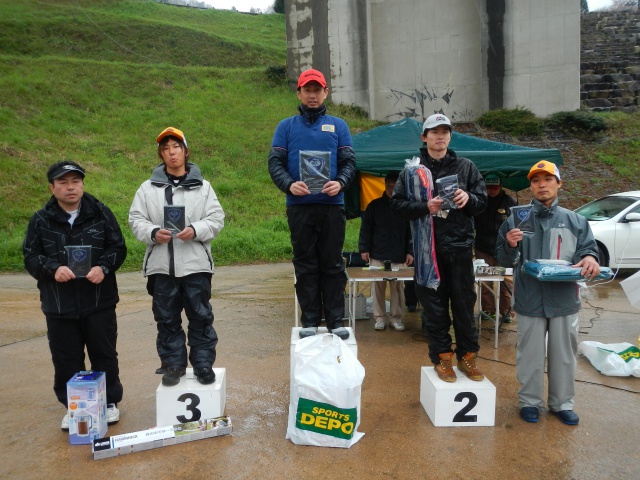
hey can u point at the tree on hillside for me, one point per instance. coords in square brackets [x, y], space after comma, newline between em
[278, 6]
[584, 6]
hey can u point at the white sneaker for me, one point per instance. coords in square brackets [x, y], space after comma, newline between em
[399, 326]
[380, 325]
[113, 414]
[65, 422]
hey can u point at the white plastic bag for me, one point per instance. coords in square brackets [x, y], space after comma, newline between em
[325, 400]
[613, 359]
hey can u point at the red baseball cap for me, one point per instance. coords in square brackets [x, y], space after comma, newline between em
[311, 75]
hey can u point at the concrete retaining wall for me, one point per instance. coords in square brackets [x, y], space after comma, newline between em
[411, 58]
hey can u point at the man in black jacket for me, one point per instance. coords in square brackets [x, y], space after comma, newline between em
[385, 236]
[454, 234]
[487, 225]
[79, 303]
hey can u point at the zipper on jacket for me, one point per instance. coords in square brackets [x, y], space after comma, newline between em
[559, 247]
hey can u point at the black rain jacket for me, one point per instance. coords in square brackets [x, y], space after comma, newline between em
[43, 249]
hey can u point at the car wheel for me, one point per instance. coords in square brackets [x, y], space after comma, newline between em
[603, 255]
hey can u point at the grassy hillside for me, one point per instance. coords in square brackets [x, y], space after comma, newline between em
[96, 81]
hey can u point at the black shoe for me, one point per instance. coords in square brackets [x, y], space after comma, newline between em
[529, 414]
[411, 308]
[172, 375]
[341, 333]
[162, 370]
[568, 417]
[205, 375]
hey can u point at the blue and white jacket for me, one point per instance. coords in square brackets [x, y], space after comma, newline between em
[311, 131]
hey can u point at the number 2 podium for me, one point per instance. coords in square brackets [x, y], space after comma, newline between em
[463, 403]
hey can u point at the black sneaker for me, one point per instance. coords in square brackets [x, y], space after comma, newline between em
[205, 375]
[172, 375]
[341, 332]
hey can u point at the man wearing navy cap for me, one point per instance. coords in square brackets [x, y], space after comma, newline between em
[79, 307]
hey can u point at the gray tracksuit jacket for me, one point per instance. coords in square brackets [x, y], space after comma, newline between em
[559, 234]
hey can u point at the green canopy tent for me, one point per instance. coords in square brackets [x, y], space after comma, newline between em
[386, 148]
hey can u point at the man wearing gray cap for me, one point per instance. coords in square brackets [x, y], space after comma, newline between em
[454, 232]
[73, 247]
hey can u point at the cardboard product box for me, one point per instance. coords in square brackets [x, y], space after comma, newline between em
[160, 437]
[87, 398]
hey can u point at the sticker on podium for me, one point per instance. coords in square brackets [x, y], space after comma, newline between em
[190, 401]
[463, 403]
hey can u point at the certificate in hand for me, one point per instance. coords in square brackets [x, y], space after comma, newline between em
[174, 220]
[79, 259]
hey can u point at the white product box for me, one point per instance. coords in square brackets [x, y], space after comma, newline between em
[160, 437]
[463, 403]
[87, 399]
[190, 400]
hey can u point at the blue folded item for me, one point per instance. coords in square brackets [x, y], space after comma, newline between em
[561, 271]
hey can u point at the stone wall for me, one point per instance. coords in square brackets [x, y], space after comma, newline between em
[610, 61]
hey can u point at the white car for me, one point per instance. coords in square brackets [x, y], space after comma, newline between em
[615, 222]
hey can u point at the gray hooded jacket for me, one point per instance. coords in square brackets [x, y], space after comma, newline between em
[559, 234]
[202, 211]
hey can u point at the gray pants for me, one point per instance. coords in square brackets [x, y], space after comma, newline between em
[560, 351]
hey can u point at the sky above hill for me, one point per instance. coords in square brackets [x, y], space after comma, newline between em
[241, 5]
[598, 4]
[263, 5]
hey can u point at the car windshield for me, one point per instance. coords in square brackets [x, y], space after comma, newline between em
[605, 208]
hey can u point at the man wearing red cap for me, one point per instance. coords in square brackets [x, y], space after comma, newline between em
[312, 161]
[547, 311]
[178, 264]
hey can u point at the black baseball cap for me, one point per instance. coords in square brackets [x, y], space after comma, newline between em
[59, 169]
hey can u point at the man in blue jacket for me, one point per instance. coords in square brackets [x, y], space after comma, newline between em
[312, 161]
[79, 307]
[547, 311]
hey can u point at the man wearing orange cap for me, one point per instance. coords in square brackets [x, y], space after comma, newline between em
[547, 310]
[312, 161]
[177, 214]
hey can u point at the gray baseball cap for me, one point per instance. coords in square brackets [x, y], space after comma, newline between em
[435, 121]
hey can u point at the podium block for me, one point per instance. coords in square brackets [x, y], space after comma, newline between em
[295, 338]
[190, 401]
[464, 403]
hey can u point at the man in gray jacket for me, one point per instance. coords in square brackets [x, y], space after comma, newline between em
[179, 265]
[547, 308]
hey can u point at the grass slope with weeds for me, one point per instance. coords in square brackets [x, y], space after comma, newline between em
[95, 81]
[83, 105]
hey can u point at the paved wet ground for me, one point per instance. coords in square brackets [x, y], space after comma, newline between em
[254, 313]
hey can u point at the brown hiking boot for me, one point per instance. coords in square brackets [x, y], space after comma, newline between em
[467, 365]
[444, 369]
